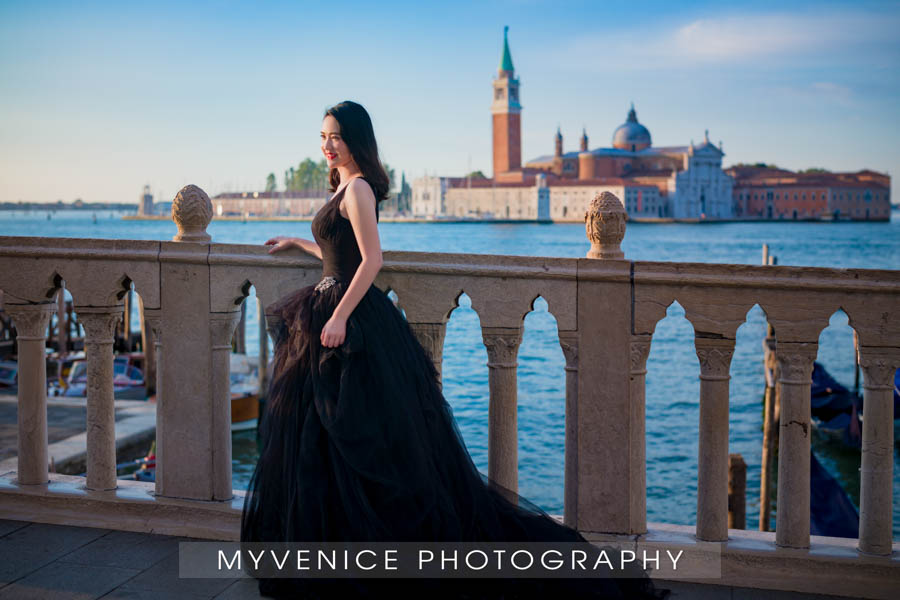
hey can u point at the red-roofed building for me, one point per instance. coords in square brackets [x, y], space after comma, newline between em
[772, 193]
[267, 204]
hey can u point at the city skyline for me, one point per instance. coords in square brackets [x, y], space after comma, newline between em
[96, 103]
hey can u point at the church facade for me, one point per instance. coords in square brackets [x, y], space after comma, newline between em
[675, 182]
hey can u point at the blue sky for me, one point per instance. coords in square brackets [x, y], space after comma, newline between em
[97, 99]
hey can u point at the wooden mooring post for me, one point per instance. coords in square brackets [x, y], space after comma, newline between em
[737, 492]
[770, 417]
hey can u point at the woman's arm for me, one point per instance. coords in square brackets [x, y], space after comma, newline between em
[308, 246]
[360, 202]
[282, 242]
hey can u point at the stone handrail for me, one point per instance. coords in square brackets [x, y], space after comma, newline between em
[606, 308]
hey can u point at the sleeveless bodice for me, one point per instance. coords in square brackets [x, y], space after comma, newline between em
[334, 234]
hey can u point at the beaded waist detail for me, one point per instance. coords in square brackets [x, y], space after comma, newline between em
[326, 283]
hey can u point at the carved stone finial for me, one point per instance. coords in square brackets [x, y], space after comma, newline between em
[192, 211]
[605, 225]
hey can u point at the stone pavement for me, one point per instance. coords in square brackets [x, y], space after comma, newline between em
[60, 562]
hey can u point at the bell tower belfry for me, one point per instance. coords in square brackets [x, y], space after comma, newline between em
[506, 115]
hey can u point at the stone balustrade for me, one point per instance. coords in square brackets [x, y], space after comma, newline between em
[606, 308]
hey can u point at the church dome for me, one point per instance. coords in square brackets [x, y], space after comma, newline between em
[631, 135]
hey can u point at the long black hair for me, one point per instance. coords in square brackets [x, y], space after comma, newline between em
[358, 133]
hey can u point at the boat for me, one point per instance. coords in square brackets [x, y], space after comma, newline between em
[838, 412]
[9, 374]
[128, 379]
[244, 392]
[831, 512]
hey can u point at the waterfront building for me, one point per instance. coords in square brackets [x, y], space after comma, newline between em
[767, 192]
[267, 204]
[429, 196]
[680, 182]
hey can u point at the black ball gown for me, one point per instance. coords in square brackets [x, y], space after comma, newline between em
[358, 444]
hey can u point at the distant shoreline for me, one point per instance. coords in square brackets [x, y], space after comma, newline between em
[448, 220]
[517, 221]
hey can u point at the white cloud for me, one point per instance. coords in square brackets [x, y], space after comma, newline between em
[740, 39]
[818, 92]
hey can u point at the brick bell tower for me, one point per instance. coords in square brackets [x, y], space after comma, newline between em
[506, 114]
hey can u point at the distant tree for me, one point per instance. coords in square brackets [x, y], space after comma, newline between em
[476, 175]
[309, 176]
[289, 179]
[390, 174]
[270, 183]
[759, 165]
[815, 170]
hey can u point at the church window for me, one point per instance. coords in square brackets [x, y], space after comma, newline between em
[512, 94]
[498, 93]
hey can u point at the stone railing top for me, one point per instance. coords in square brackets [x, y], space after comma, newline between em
[474, 265]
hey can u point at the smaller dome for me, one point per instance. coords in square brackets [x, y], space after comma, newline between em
[631, 135]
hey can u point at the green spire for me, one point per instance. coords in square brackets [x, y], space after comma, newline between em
[506, 60]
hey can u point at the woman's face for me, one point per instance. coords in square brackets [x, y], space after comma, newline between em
[334, 148]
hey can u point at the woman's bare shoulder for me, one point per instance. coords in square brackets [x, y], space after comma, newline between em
[359, 193]
[360, 187]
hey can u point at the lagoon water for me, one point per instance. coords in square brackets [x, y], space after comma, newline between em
[672, 367]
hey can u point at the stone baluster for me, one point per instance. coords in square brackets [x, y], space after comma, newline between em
[712, 464]
[611, 477]
[191, 447]
[221, 332]
[795, 362]
[431, 337]
[877, 472]
[638, 353]
[31, 322]
[100, 325]
[502, 345]
[153, 317]
[568, 340]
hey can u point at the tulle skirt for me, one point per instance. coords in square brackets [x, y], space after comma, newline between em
[358, 444]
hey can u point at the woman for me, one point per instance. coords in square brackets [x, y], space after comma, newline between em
[359, 444]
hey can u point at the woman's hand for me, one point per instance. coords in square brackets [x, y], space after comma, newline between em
[279, 243]
[334, 331]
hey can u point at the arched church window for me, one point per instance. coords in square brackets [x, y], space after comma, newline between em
[498, 93]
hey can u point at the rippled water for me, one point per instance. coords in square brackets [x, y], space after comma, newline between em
[672, 384]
